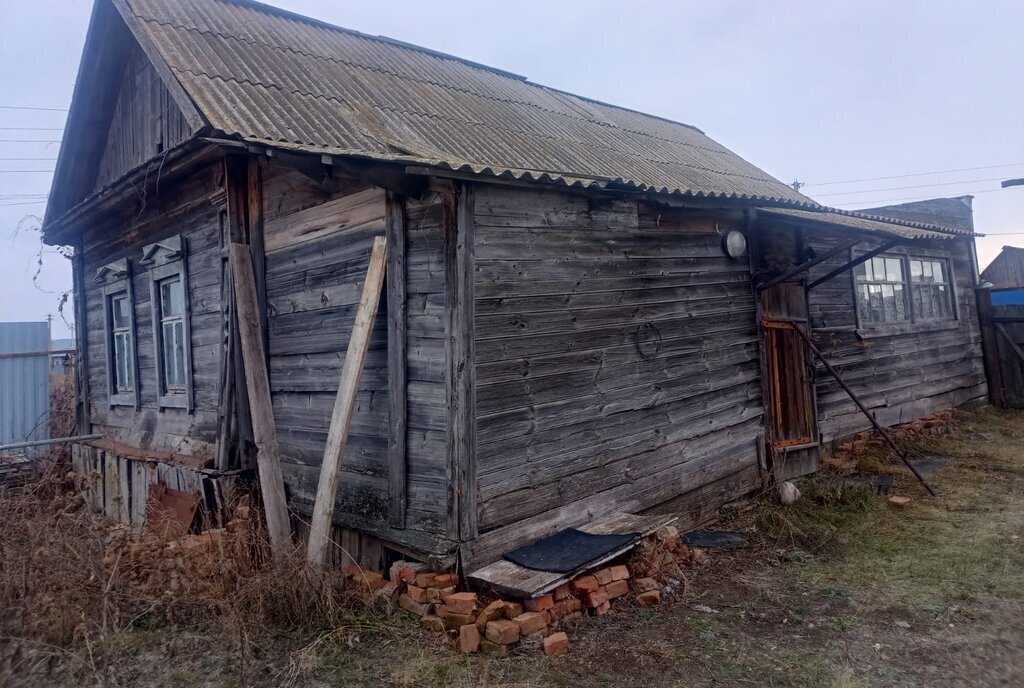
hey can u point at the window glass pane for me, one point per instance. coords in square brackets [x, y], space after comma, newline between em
[877, 269]
[179, 354]
[861, 270]
[119, 309]
[894, 269]
[172, 298]
[915, 269]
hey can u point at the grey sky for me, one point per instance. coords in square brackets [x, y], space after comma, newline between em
[815, 91]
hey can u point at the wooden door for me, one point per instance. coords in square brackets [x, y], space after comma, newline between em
[791, 422]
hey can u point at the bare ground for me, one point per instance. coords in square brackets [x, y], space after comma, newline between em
[840, 590]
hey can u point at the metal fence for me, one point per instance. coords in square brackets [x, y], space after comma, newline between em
[24, 381]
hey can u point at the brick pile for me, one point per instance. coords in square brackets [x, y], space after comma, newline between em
[482, 623]
[843, 456]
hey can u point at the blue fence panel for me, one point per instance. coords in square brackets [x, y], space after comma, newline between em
[24, 381]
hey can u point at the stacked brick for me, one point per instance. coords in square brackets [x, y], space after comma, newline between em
[501, 627]
[844, 455]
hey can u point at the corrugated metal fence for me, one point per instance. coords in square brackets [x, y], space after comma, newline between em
[24, 381]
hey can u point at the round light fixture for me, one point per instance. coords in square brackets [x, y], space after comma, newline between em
[735, 244]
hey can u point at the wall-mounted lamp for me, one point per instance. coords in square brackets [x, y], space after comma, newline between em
[734, 244]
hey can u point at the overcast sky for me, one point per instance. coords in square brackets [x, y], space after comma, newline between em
[816, 91]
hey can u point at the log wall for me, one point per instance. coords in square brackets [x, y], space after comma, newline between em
[191, 208]
[616, 363]
[901, 372]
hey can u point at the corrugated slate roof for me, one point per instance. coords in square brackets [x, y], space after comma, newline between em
[266, 75]
[905, 229]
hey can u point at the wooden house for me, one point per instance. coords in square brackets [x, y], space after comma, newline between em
[1006, 275]
[588, 310]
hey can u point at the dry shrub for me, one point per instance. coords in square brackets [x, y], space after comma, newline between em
[74, 582]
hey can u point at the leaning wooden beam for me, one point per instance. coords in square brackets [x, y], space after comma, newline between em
[344, 405]
[863, 258]
[882, 431]
[257, 380]
[807, 265]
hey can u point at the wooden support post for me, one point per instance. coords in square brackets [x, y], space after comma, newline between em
[344, 405]
[807, 265]
[863, 258]
[397, 355]
[257, 380]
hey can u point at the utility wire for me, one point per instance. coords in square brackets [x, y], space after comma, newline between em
[31, 128]
[29, 140]
[900, 188]
[37, 109]
[9, 205]
[869, 204]
[21, 171]
[918, 174]
[32, 159]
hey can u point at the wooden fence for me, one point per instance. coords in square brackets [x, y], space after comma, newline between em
[1002, 329]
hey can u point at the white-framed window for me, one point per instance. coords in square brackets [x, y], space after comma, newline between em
[894, 288]
[119, 333]
[171, 328]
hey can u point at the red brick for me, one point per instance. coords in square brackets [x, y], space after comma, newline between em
[562, 591]
[651, 598]
[369, 580]
[495, 610]
[616, 589]
[455, 620]
[621, 572]
[531, 622]
[563, 607]
[417, 595]
[603, 576]
[571, 618]
[556, 644]
[513, 609]
[461, 602]
[539, 604]
[437, 595]
[406, 603]
[489, 648]
[585, 584]
[596, 598]
[603, 608]
[502, 631]
[425, 579]
[469, 639]
[899, 501]
[446, 580]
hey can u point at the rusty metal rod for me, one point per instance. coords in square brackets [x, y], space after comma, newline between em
[807, 265]
[882, 431]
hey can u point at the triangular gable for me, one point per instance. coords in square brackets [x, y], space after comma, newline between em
[115, 60]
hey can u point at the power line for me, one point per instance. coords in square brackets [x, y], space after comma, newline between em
[900, 188]
[10, 205]
[32, 159]
[918, 174]
[31, 128]
[21, 171]
[869, 204]
[37, 109]
[29, 140]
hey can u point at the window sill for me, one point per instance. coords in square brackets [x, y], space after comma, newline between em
[173, 401]
[122, 399]
[896, 329]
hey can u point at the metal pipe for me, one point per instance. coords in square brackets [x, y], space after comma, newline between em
[882, 431]
[54, 440]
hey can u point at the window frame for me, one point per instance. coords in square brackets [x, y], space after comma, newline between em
[168, 262]
[913, 323]
[116, 278]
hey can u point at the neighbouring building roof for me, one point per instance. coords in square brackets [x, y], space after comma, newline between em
[263, 74]
[1007, 270]
[856, 220]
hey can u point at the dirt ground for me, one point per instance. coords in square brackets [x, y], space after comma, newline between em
[840, 590]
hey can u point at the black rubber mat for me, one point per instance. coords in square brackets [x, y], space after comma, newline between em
[567, 550]
[713, 538]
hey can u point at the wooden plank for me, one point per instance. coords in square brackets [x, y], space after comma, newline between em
[511, 579]
[320, 524]
[460, 244]
[111, 486]
[124, 486]
[1001, 329]
[397, 364]
[258, 387]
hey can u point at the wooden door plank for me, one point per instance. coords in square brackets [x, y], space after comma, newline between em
[344, 405]
[397, 363]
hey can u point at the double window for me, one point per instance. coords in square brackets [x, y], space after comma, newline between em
[170, 313]
[894, 289]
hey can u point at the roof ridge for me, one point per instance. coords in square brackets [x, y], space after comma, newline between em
[305, 19]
